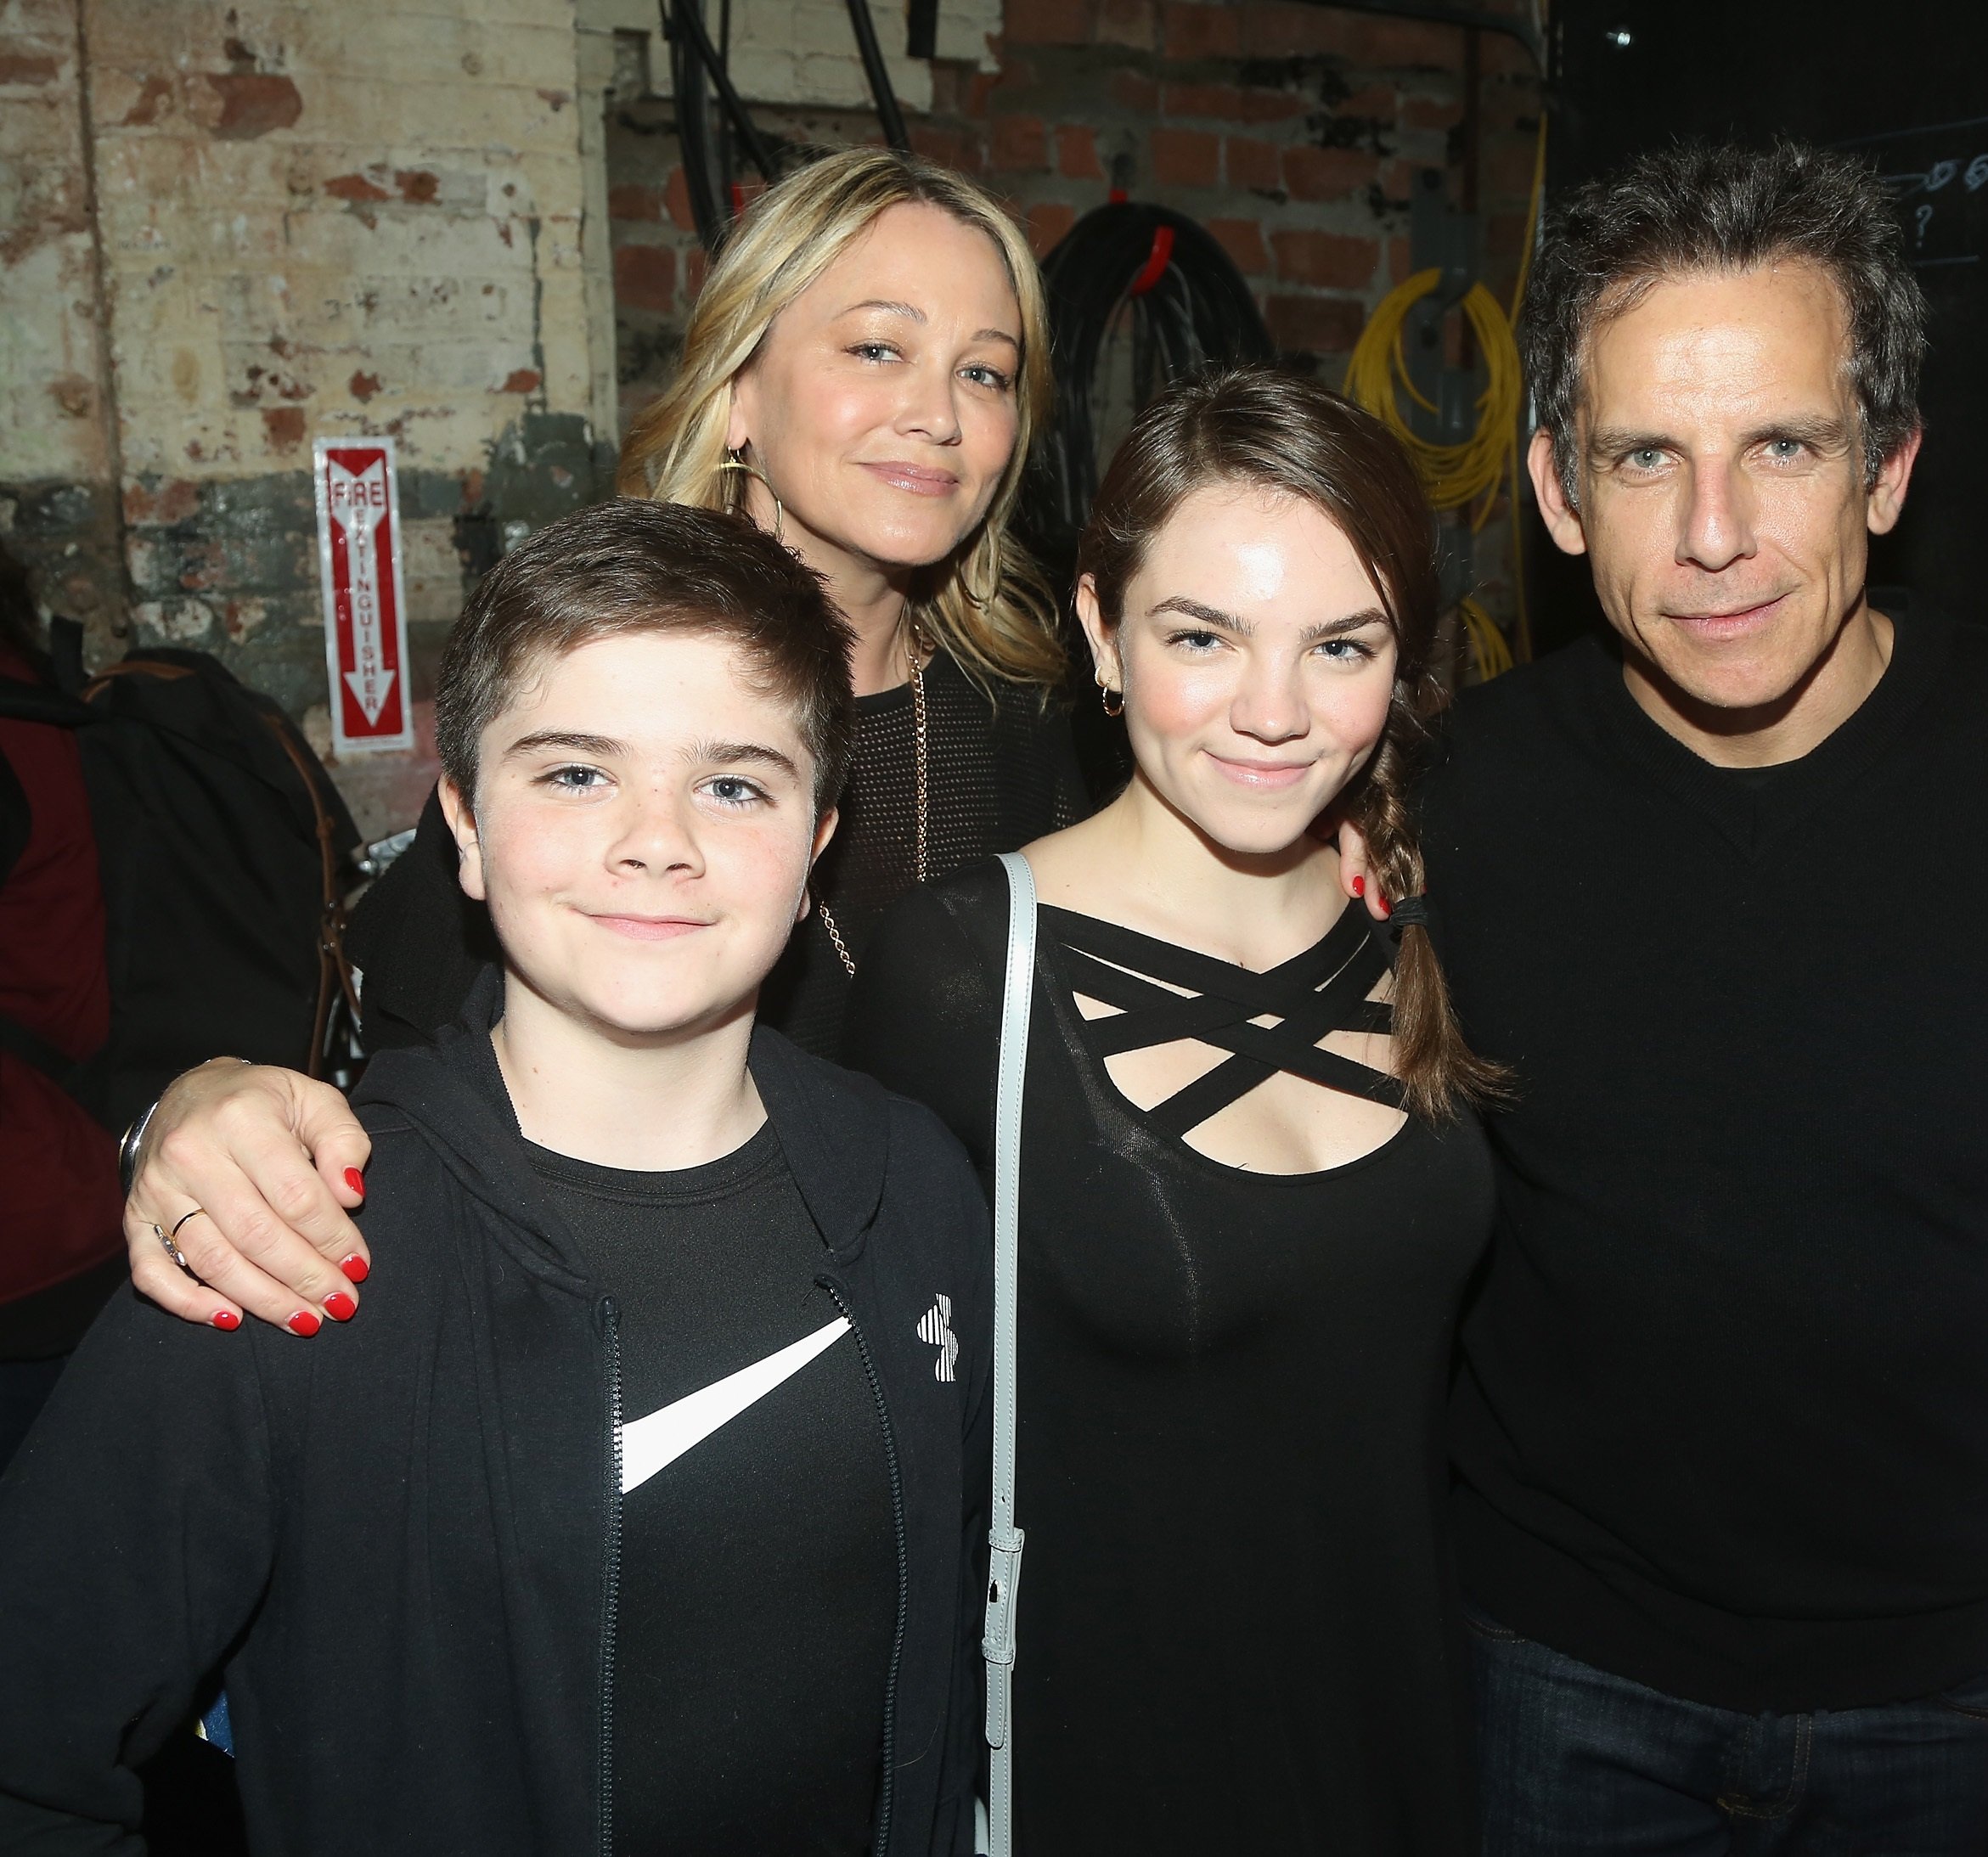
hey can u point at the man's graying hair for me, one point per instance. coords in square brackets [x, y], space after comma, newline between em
[1698, 208]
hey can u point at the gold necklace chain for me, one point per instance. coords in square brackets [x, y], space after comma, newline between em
[828, 921]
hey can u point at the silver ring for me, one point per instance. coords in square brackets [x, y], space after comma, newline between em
[172, 1250]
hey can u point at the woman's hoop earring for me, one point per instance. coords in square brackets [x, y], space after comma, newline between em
[1106, 692]
[737, 460]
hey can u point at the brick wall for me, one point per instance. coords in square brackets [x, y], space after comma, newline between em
[1290, 130]
[227, 229]
[58, 437]
[802, 52]
[312, 221]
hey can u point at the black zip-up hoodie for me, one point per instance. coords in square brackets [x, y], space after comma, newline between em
[400, 1538]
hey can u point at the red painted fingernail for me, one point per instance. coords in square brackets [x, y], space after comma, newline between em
[356, 1180]
[303, 1323]
[340, 1307]
[1387, 908]
[1360, 887]
[356, 1268]
[225, 1318]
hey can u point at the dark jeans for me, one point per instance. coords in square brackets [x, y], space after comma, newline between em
[1580, 1764]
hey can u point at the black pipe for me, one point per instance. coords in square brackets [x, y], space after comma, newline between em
[689, 15]
[708, 207]
[888, 112]
[728, 165]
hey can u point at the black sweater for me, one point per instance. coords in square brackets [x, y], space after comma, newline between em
[1723, 1422]
[400, 1538]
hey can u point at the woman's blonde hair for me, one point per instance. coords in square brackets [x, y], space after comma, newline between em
[987, 603]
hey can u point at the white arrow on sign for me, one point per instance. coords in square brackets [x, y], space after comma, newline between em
[359, 506]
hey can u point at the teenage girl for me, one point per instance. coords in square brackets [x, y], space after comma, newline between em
[1251, 1190]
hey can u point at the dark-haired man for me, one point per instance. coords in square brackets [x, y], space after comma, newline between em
[1714, 890]
[639, 1522]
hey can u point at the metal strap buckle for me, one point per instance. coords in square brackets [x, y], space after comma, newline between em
[1004, 1575]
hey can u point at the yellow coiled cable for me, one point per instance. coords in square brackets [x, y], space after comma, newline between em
[1472, 471]
[1488, 644]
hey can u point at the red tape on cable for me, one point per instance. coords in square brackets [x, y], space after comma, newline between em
[1155, 266]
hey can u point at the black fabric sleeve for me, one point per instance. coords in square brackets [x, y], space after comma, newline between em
[1039, 775]
[418, 942]
[1435, 788]
[136, 1533]
[924, 1015]
[922, 1019]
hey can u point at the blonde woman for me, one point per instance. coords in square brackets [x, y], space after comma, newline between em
[863, 373]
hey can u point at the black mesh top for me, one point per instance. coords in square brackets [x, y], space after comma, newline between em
[1238, 1618]
[1002, 771]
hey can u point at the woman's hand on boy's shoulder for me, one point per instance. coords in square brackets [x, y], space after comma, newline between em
[250, 1170]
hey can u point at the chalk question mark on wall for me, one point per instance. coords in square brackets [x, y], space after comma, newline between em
[1925, 219]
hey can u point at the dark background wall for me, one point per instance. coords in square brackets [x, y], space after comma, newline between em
[1903, 84]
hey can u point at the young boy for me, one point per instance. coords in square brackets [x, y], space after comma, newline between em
[636, 1518]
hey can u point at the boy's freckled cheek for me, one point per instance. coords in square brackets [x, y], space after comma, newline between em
[529, 849]
[764, 862]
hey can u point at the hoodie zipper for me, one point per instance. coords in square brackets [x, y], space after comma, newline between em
[890, 1454]
[609, 1315]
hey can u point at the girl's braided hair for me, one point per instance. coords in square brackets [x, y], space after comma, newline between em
[1292, 437]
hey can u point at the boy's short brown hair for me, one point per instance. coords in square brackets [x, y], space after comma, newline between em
[632, 566]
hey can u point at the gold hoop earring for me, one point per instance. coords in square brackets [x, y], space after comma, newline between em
[1106, 692]
[737, 460]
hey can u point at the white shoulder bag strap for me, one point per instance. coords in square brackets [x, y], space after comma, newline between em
[1004, 1538]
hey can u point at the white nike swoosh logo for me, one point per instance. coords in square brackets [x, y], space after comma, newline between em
[654, 1442]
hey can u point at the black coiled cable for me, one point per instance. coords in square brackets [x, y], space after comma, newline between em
[1188, 306]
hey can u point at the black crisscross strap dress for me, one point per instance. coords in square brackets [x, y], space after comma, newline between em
[1238, 1620]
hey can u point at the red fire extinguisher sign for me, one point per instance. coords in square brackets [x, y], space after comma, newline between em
[365, 611]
